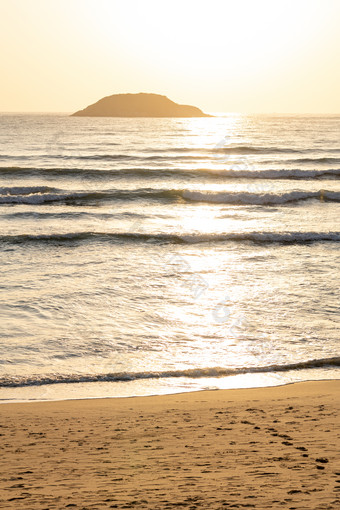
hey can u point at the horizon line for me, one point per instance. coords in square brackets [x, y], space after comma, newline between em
[48, 112]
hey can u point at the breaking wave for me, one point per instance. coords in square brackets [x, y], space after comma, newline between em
[159, 173]
[285, 238]
[244, 198]
[37, 380]
[37, 196]
[25, 190]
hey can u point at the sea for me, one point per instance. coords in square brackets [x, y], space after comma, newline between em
[149, 256]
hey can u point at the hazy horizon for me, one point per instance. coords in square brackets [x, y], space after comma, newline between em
[214, 113]
[256, 57]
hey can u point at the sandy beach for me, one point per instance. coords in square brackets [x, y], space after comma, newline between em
[256, 448]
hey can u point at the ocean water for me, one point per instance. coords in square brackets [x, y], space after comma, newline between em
[151, 256]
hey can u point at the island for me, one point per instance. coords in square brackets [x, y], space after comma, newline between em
[139, 105]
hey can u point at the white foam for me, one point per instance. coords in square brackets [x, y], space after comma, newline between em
[39, 198]
[25, 190]
[259, 199]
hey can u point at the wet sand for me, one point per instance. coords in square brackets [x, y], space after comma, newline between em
[256, 448]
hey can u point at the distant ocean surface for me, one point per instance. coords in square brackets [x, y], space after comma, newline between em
[152, 256]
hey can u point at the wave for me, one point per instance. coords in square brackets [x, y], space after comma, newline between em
[40, 198]
[83, 197]
[72, 215]
[37, 197]
[159, 173]
[62, 157]
[245, 198]
[26, 190]
[216, 154]
[192, 373]
[222, 148]
[197, 155]
[265, 238]
[280, 174]
[319, 161]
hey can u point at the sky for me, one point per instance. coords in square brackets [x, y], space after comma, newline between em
[250, 56]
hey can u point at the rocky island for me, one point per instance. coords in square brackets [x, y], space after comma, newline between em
[139, 105]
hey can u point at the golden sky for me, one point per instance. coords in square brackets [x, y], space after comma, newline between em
[261, 56]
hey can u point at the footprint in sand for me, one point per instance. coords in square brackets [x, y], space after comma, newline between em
[322, 460]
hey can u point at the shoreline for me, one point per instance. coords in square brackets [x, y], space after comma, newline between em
[271, 447]
[156, 395]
